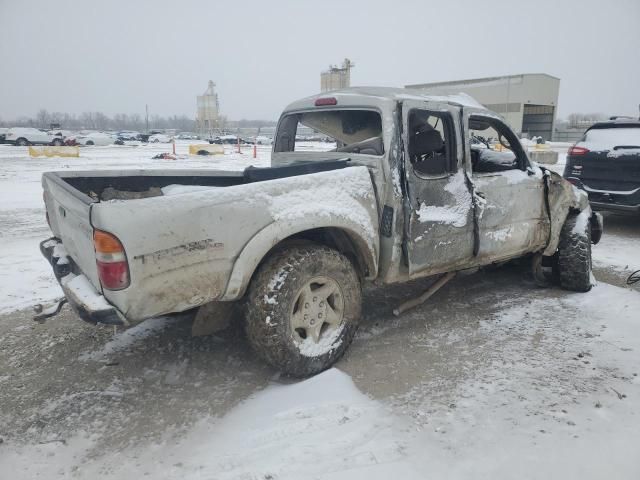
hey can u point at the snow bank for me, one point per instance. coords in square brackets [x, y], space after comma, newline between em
[319, 428]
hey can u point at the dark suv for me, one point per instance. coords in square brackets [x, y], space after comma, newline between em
[606, 164]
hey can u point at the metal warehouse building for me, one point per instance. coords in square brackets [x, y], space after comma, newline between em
[527, 101]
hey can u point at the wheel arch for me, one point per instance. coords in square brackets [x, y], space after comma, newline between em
[348, 241]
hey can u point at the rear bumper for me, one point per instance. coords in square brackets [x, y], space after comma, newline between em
[627, 201]
[615, 207]
[89, 304]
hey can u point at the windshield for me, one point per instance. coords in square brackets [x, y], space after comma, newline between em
[349, 131]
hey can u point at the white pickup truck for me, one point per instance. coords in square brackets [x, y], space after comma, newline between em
[410, 187]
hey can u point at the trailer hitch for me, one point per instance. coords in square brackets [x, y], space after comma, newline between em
[42, 312]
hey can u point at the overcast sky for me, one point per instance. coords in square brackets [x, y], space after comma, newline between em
[117, 56]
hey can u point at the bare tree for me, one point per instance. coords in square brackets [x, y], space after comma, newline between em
[43, 118]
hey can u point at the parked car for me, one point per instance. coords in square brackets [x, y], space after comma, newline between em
[160, 138]
[229, 140]
[3, 134]
[93, 138]
[262, 140]
[605, 163]
[32, 136]
[187, 136]
[401, 198]
[128, 135]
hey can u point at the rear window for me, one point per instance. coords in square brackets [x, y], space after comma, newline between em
[349, 131]
[609, 138]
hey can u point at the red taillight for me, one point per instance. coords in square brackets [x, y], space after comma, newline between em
[113, 269]
[320, 102]
[577, 150]
[113, 276]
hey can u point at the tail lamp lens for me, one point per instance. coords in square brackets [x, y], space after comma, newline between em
[320, 102]
[577, 151]
[113, 269]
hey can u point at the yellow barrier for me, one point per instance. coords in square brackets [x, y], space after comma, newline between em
[542, 146]
[213, 149]
[49, 151]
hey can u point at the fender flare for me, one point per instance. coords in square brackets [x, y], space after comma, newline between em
[265, 240]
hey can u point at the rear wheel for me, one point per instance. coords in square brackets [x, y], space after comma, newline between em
[574, 253]
[303, 309]
[89, 142]
[57, 142]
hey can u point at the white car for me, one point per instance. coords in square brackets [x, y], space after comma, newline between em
[94, 138]
[262, 140]
[160, 138]
[32, 136]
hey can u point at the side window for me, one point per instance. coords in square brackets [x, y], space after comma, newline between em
[494, 147]
[431, 145]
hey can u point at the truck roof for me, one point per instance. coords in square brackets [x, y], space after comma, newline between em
[382, 96]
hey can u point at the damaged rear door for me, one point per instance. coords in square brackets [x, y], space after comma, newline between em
[438, 206]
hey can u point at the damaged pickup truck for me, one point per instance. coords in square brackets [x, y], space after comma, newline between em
[410, 185]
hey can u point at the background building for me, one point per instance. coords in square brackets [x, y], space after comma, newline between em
[528, 101]
[207, 114]
[336, 77]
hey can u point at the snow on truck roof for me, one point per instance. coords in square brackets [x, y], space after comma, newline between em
[367, 96]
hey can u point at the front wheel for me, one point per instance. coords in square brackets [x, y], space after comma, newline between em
[22, 142]
[574, 253]
[303, 309]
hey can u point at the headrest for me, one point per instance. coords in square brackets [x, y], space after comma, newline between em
[426, 142]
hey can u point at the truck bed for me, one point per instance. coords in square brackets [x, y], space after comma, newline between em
[96, 186]
[190, 237]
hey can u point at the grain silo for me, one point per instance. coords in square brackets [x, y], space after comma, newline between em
[336, 77]
[207, 112]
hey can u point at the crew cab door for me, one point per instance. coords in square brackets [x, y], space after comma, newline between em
[512, 214]
[438, 207]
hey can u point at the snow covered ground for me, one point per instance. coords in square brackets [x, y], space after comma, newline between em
[492, 378]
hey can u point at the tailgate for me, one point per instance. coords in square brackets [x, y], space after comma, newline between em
[616, 170]
[70, 217]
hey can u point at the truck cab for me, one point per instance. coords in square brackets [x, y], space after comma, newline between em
[445, 199]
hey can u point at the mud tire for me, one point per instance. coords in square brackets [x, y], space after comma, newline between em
[574, 256]
[274, 294]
